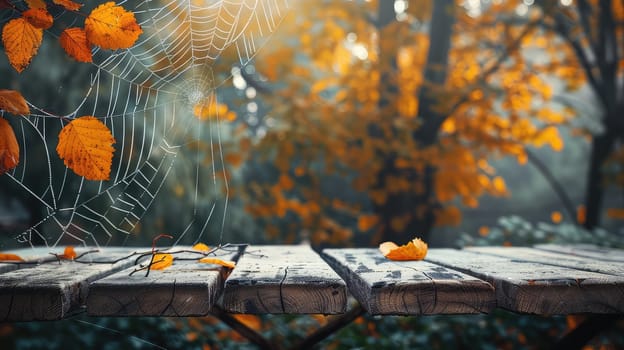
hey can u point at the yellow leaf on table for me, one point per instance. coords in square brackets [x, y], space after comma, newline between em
[415, 249]
[112, 27]
[226, 263]
[74, 42]
[9, 148]
[68, 4]
[10, 257]
[39, 18]
[161, 261]
[201, 247]
[13, 102]
[21, 41]
[69, 253]
[85, 145]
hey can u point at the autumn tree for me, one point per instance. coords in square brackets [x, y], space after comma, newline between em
[404, 108]
[594, 33]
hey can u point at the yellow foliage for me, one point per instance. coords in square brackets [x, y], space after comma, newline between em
[38, 17]
[12, 101]
[286, 182]
[484, 231]
[616, 213]
[209, 108]
[348, 115]
[366, 222]
[112, 27]
[556, 217]
[74, 42]
[85, 145]
[21, 42]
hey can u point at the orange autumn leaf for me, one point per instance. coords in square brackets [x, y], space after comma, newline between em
[10, 257]
[74, 42]
[226, 263]
[21, 41]
[366, 222]
[85, 145]
[13, 102]
[209, 108]
[69, 253]
[415, 249]
[9, 148]
[68, 4]
[615, 213]
[161, 261]
[112, 27]
[233, 159]
[36, 4]
[201, 247]
[39, 18]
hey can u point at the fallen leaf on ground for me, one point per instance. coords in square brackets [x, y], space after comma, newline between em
[415, 249]
[10, 257]
[161, 261]
[226, 263]
[201, 247]
[69, 253]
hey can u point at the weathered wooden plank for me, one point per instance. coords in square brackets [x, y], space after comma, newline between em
[54, 289]
[585, 250]
[187, 288]
[31, 256]
[537, 288]
[386, 287]
[284, 279]
[556, 259]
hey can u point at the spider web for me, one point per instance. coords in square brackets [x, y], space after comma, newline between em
[146, 96]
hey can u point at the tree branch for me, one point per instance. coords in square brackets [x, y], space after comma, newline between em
[552, 181]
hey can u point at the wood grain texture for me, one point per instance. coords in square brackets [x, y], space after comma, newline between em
[386, 287]
[186, 288]
[54, 289]
[585, 250]
[284, 279]
[530, 287]
[555, 259]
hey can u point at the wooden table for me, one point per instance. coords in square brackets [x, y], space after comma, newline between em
[545, 280]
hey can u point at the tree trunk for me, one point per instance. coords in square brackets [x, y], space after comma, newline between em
[602, 147]
[417, 210]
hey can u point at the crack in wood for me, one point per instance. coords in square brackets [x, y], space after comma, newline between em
[281, 289]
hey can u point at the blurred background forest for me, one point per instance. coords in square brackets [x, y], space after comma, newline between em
[462, 122]
[365, 121]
